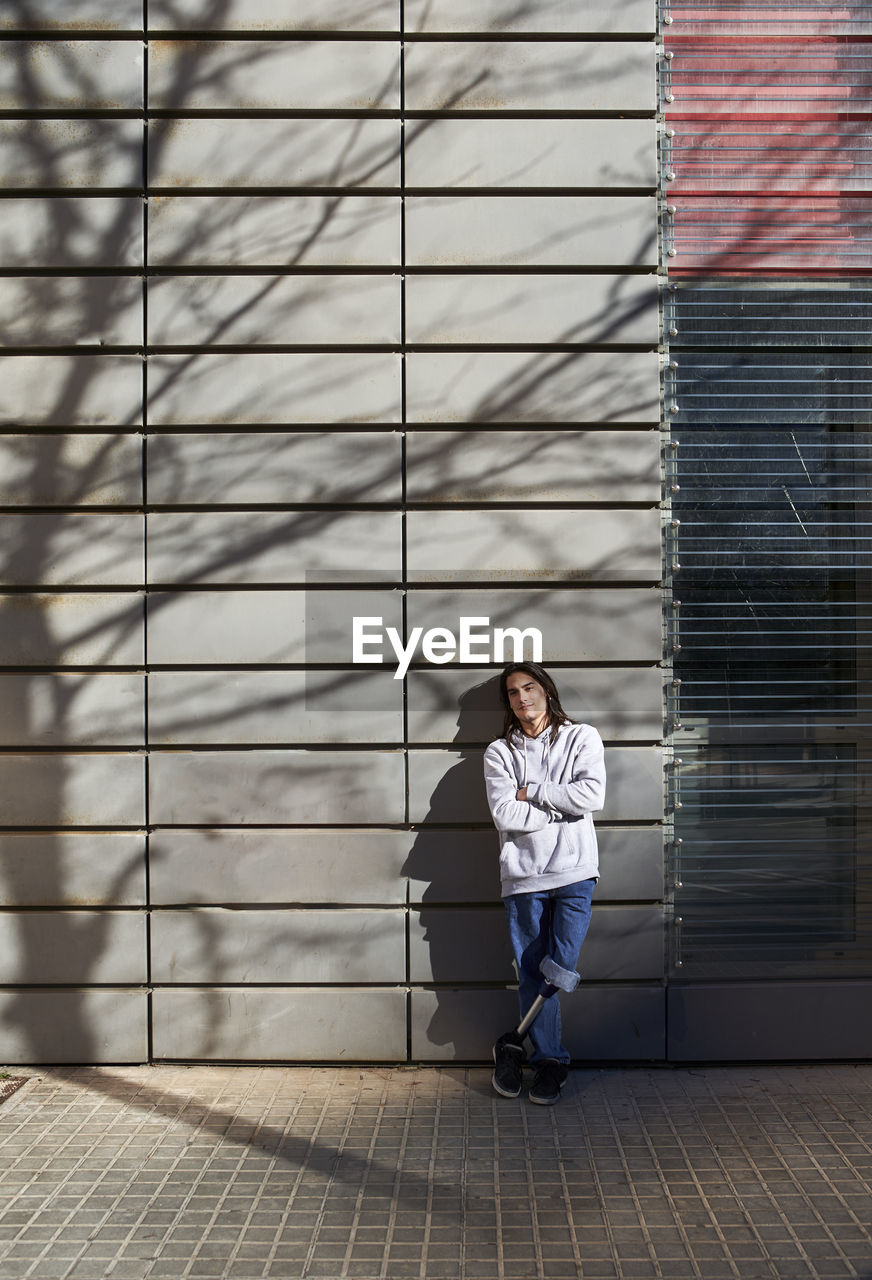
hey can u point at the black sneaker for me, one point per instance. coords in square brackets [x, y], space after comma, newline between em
[509, 1059]
[550, 1078]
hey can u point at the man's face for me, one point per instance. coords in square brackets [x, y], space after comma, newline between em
[528, 700]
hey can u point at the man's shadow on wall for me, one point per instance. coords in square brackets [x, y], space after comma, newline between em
[459, 944]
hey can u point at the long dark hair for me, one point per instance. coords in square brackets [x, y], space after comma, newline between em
[556, 715]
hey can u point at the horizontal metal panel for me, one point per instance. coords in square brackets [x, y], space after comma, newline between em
[298, 467]
[463, 944]
[88, 15]
[273, 310]
[281, 231]
[48, 311]
[78, 549]
[459, 945]
[70, 391]
[266, 388]
[343, 1025]
[70, 153]
[631, 864]
[785, 1021]
[82, 628]
[773, 388]
[501, 230]
[722, 75]
[277, 15]
[464, 706]
[578, 624]
[714, 18]
[599, 1022]
[63, 947]
[74, 233]
[496, 152]
[548, 466]
[71, 75]
[258, 547]
[62, 868]
[312, 75]
[74, 1026]
[273, 707]
[498, 387]
[41, 709]
[289, 867]
[208, 944]
[453, 867]
[480, 546]
[769, 313]
[74, 790]
[527, 309]
[728, 234]
[447, 787]
[548, 15]
[261, 626]
[463, 866]
[534, 76]
[808, 156]
[195, 788]
[261, 152]
[73, 470]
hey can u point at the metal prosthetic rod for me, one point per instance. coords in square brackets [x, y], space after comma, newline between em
[554, 979]
[546, 991]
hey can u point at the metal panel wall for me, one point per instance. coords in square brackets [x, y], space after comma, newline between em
[311, 311]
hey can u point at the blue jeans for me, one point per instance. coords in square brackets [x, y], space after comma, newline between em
[551, 923]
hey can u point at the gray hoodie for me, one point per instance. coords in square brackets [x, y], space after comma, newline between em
[547, 840]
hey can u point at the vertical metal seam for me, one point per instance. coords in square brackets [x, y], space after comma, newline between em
[145, 654]
[403, 519]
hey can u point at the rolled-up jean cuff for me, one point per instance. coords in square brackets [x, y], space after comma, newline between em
[565, 979]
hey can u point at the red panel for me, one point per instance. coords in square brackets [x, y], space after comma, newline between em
[768, 156]
[774, 78]
[771, 156]
[730, 234]
[738, 19]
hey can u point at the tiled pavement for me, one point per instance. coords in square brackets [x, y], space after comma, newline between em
[391, 1172]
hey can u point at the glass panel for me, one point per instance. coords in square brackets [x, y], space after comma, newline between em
[771, 630]
[808, 17]
[767, 313]
[816, 156]
[767, 236]
[713, 77]
[729, 234]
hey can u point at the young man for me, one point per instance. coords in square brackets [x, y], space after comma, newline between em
[545, 777]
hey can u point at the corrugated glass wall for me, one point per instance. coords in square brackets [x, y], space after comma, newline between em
[766, 192]
[314, 310]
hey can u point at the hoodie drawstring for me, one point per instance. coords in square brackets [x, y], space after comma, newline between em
[547, 757]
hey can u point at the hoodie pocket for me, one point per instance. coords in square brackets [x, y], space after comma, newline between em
[527, 855]
[565, 857]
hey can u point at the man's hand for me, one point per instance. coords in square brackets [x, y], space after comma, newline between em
[521, 794]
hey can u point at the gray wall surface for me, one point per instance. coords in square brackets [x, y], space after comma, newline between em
[306, 315]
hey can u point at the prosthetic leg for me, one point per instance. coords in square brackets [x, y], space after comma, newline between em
[554, 979]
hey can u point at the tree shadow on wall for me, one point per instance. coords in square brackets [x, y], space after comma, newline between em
[73, 554]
